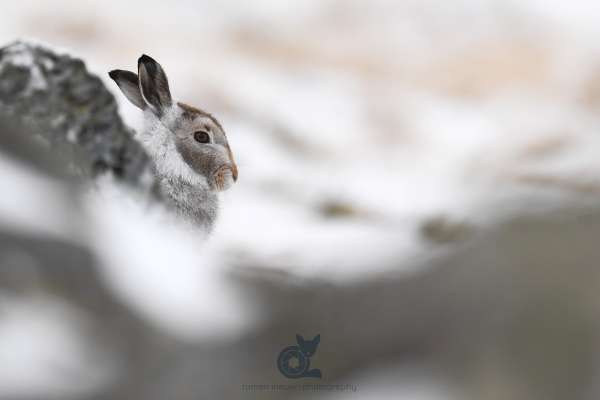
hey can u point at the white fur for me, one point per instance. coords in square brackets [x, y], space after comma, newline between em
[159, 142]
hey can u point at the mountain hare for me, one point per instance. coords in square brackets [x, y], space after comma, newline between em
[191, 155]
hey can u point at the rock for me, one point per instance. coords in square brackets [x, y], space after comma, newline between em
[55, 97]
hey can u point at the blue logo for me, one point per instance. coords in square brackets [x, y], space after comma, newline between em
[294, 361]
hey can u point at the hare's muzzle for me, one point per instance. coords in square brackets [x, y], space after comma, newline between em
[234, 172]
[225, 176]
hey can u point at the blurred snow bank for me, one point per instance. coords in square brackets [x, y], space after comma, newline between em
[162, 268]
[47, 350]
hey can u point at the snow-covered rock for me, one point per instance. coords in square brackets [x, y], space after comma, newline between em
[58, 99]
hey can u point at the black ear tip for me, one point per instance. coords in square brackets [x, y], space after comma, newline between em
[114, 74]
[145, 59]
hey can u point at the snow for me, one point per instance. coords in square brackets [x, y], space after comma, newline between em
[35, 204]
[44, 352]
[164, 269]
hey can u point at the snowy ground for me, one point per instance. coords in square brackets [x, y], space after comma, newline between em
[368, 134]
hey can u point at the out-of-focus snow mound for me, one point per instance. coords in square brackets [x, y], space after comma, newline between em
[374, 140]
[162, 267]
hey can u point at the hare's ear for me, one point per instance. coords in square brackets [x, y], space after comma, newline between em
[154, 85]
[129, 85]
[317, 339]
[300, 340]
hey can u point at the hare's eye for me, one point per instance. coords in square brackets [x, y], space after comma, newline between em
[201, 137]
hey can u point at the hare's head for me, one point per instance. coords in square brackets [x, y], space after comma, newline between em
[178, 133]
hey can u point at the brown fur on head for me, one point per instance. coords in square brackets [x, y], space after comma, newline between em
[206, 160]
[178, 133]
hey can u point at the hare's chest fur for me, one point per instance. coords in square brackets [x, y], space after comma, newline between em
[193, 203]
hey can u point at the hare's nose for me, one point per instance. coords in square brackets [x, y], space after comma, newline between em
[234, 172]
